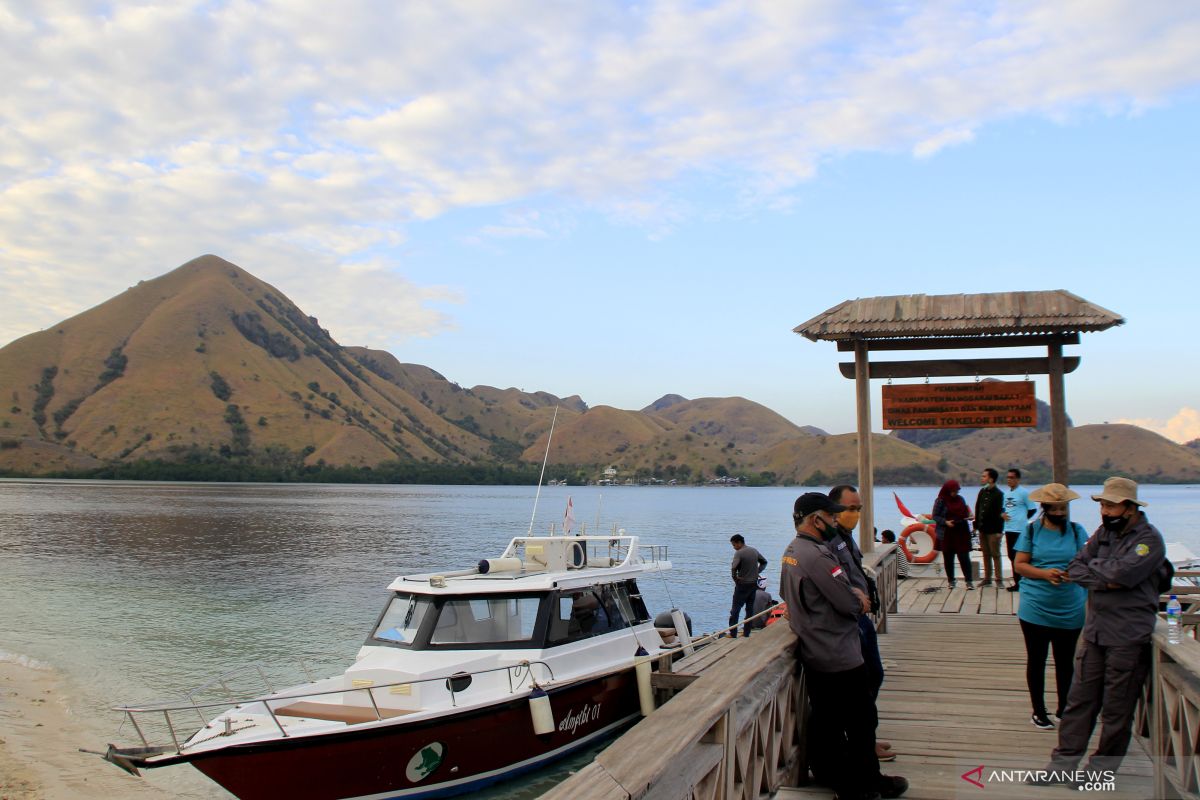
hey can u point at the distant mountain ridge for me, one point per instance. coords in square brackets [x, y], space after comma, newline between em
[209, 365]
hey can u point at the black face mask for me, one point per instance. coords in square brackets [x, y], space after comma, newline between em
[1058, 520]
[1113, 524]
[828, 532]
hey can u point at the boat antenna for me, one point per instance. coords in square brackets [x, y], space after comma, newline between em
[545, 458]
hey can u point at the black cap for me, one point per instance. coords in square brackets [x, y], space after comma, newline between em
[809, 502]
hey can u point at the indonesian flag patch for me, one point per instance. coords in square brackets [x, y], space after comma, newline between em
[836, 571]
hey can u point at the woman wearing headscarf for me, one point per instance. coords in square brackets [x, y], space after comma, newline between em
[952, 517]
[1052, 607]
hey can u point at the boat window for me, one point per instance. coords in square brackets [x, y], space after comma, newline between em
[591, 611]
[486, 620]
[403, 617]
[632, 605]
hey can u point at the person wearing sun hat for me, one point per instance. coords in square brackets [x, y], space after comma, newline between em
[1052, 607]
[1123, 566]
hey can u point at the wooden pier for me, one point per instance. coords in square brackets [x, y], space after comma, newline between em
[731, 723]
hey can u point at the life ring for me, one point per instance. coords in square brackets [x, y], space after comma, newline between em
[924, 558]
[777, 613]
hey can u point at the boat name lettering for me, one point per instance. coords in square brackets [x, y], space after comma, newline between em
[573, 719]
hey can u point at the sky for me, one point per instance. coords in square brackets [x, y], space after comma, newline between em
[620, 200]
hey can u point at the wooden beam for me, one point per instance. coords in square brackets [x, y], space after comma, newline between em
[960, 342]
[959, 367]
[866, 479]
[1060, 466]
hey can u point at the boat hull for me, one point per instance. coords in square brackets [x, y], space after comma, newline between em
[432, 758]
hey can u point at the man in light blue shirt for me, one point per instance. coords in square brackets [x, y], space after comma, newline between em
[1018, 510]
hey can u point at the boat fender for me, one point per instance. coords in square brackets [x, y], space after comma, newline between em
[540, 711]
[924, 558]
[489, 565]
[645, 692]
[665, 620]
[681, 625]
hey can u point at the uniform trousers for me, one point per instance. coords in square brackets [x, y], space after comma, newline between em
[1010, 544]
[841, 730]
[1108, 682]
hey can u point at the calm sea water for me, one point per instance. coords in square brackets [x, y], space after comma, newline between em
[136, 590]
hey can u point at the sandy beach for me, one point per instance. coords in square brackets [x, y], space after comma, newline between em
[40, 736]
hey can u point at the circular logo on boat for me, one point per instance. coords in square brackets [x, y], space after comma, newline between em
[427, 759]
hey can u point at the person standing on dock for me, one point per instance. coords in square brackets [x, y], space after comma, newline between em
[952, 517]
[989, 521]
[1124, 568]
[846, 551]
[1018, 510]
[823, 612]
[748, 564]
[1052, 606]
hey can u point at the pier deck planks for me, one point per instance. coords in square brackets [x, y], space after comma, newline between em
[915, 598]
[955, 698]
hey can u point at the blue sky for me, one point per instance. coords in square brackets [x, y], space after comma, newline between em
[620, 200]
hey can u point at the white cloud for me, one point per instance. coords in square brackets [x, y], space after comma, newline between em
[1181, 428]
[136, 136]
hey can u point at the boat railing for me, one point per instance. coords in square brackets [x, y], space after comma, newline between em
[520, 675]
[616, 550]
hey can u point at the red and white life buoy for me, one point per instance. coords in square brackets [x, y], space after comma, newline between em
[927, 531]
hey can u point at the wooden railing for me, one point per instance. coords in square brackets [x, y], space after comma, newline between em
[737, 731]
[1168, 718]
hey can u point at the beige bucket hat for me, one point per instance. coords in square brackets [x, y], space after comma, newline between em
[1118, 490]
[1053, 493]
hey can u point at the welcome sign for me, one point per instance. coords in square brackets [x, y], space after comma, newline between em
[991, 404]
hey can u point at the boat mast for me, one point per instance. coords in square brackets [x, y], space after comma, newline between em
[545, 458]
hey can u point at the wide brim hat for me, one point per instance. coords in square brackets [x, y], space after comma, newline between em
[1119, 490]
[1053, 493]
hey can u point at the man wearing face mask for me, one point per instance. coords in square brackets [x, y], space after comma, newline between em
[823, 611]
[1123, 566]
[846, 551]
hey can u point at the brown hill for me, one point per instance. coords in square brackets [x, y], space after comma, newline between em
[681, 439]
[828, 460]
[1095, 451]
[208, 359]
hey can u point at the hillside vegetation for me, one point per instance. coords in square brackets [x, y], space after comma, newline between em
[210, 373]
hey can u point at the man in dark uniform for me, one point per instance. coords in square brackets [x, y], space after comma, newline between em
[1122, 567]
[846, 551]
[823, 611]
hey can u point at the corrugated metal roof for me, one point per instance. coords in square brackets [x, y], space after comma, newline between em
[923, 315]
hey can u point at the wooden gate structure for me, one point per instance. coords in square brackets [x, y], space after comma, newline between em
[1049, 319]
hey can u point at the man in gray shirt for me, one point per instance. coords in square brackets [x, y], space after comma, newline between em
[1123, 567]
[747, 566]
[823, 611]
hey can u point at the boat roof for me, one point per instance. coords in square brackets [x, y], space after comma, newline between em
[545, 563]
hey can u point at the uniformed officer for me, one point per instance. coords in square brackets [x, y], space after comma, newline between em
[1123, 567]
[823, 610]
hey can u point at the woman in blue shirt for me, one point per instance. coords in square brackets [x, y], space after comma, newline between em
[1052, 607]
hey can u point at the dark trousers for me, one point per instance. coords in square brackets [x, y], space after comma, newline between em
[870, 652]
[1108, 683]
[841, 731]
[743, 595]
[1039, 639]
[964, 560]
[1010, 544]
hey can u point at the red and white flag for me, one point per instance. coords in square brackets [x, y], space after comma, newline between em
[569, 516]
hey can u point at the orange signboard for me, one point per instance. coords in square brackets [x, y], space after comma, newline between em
[991, 404]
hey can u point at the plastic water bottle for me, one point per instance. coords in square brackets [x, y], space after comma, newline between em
[1174, 630]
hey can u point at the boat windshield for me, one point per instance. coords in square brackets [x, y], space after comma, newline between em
[421, 621]
[402, 619]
